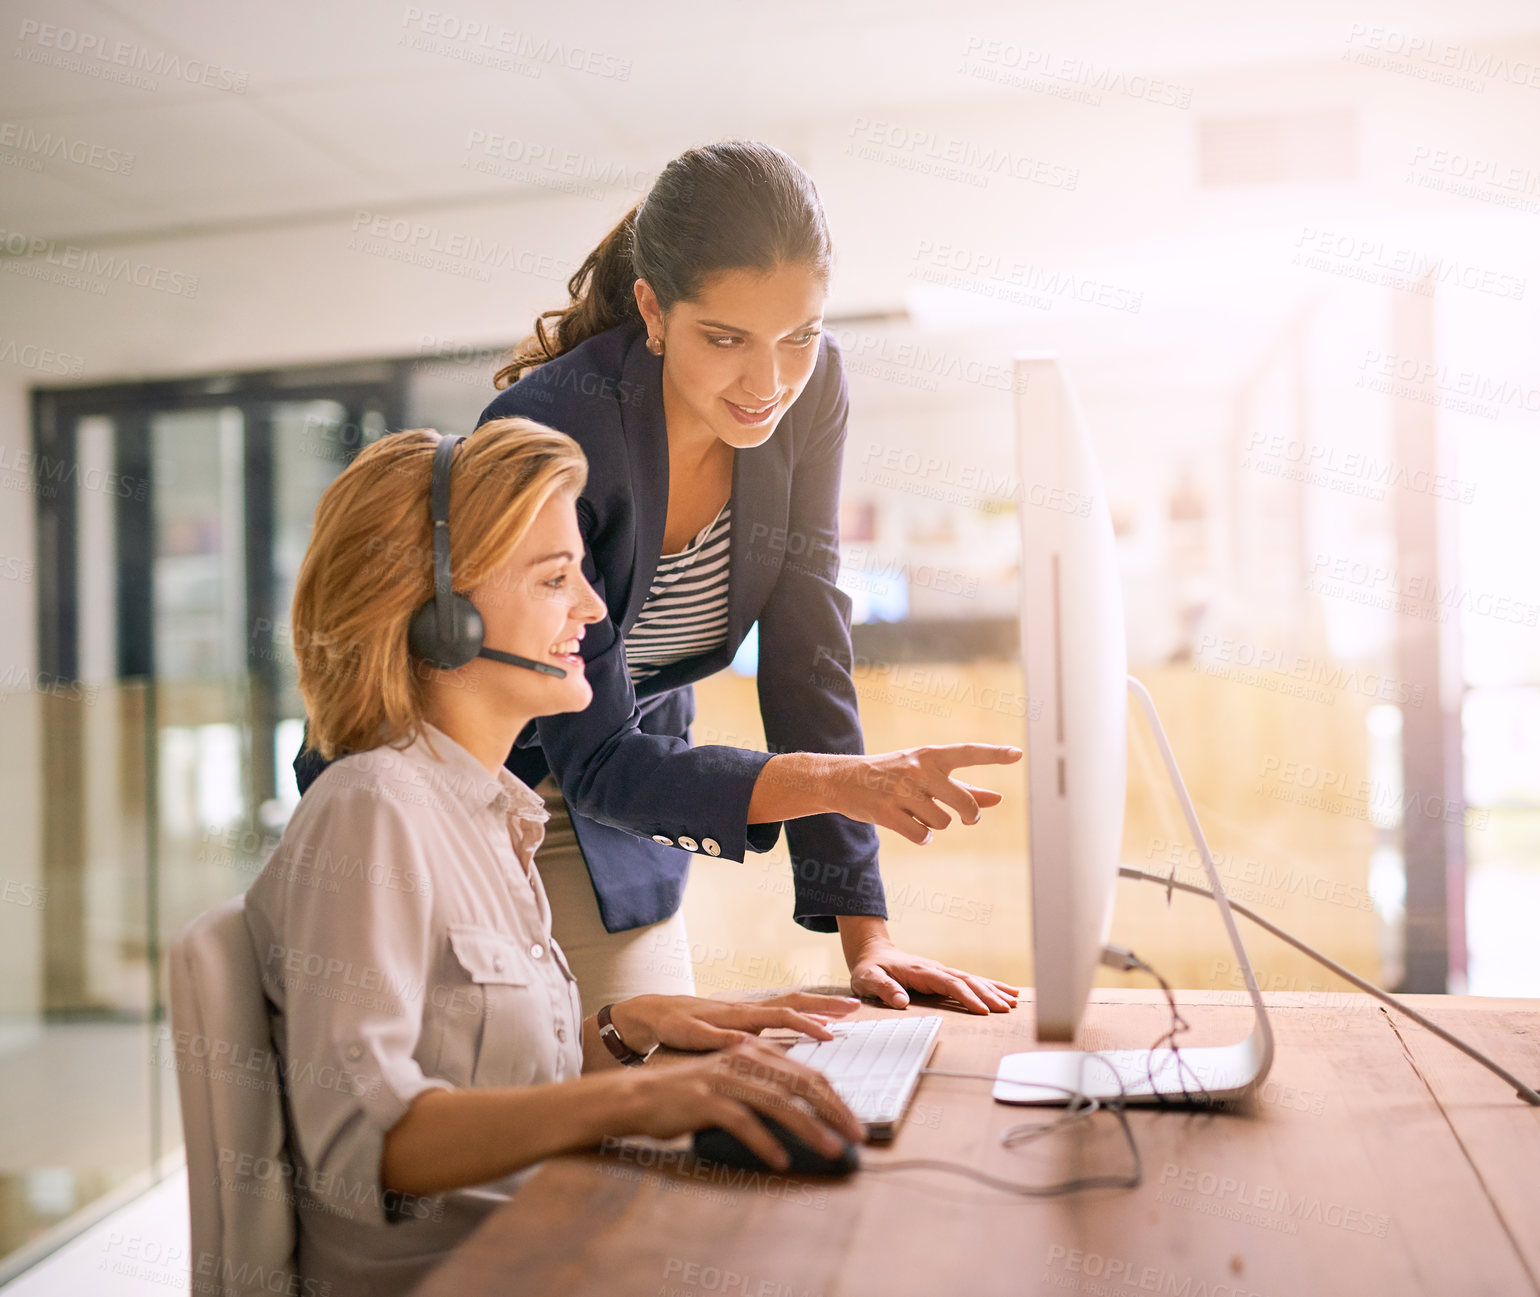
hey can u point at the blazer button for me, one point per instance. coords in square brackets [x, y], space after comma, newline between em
[658, 837]
[561, 1033]
[689, 844]
[537, 950]
[497, 964]
[711, 846]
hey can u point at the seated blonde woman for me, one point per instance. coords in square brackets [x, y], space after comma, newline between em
[431, 1034]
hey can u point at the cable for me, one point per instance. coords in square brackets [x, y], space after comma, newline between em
[1179, 1024]
[1118, 957]
[1075, 1111]
[1024, 1132]
[1523, 1091]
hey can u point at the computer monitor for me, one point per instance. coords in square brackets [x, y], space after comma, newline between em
[1076, 659]
[1074, 650]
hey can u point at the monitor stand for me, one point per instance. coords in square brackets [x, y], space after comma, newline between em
[1199, 1075]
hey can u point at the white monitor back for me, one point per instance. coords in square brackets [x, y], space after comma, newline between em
[1076, 660]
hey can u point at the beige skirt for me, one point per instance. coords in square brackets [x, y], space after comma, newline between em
[609, 966]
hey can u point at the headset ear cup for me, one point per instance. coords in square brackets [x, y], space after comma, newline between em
[467, 631]
[422, 634]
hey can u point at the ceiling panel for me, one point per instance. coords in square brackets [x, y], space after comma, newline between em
[45, 201]
[223, 160]
[455, 132]
[363, 103]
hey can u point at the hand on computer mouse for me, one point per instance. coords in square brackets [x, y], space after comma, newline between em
[717, 1145]
[733, 1089]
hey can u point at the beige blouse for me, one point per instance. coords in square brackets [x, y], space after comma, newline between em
[405, 942]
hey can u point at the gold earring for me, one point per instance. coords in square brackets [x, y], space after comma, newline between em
[655, 345]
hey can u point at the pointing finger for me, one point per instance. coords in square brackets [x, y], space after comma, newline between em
[952, 755]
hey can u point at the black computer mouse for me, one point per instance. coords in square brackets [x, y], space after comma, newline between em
[715, 1144]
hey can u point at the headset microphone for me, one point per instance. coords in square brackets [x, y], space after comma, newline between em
[447, 631]
[513, 659]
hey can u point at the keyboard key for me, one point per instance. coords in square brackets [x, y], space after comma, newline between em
[873, 1064]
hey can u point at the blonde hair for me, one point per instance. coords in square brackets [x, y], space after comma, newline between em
[369, 566]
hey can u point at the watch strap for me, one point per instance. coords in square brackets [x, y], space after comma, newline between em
[610, 1035]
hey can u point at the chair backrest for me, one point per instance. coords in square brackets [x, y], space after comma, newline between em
[239, 1175]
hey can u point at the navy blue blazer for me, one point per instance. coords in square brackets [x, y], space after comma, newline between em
[634, 784]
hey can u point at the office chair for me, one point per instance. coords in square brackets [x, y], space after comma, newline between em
[239, 1176]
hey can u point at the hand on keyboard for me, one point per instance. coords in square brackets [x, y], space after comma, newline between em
[689, 1022]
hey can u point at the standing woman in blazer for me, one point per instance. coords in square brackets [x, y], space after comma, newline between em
[692, 369]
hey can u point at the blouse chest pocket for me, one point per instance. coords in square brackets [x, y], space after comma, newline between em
[497, 1022]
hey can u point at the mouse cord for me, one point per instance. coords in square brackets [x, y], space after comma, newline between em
[1024, 1132]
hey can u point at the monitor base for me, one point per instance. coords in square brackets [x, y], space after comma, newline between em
[1212, 1074]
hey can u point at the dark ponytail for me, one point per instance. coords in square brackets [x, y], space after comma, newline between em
[733, 205]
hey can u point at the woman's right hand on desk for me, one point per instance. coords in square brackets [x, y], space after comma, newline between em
[731, 1089]
[906, 791]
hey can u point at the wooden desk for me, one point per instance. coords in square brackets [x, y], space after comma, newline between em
[1378, 1160]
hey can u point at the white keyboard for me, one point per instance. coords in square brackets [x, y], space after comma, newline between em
[874, 1064]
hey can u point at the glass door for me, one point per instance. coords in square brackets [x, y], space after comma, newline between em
[148, 756]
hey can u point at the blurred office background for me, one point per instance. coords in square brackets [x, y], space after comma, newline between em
[1289, 253]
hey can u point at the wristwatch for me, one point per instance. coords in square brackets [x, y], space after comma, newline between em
[610, 1035]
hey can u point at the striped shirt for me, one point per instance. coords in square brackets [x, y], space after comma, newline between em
[685, 613]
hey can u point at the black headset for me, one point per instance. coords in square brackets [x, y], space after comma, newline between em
[446, 632]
